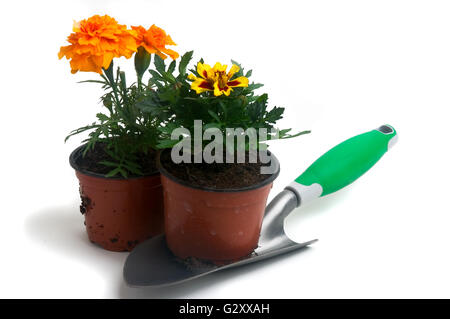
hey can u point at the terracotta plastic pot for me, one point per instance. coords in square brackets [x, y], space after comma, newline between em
[119, 213]
[210, 224]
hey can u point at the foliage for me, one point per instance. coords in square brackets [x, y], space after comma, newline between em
[142, 115]
[124, 130]
[175, 103]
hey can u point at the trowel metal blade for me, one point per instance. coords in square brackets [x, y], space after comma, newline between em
[153, 264]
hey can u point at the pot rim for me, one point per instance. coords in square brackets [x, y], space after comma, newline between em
[263, 183]
[75, 155]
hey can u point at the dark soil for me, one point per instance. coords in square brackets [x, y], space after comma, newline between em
[216, 175]
[85, 204]
[91, 161]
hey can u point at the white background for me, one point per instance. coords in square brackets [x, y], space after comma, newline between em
[339, 67]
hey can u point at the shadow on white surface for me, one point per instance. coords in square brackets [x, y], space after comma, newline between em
[305, 223]
[61, 230]
[203, 284]
[322, 205]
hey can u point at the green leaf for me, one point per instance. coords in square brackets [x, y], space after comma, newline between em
[102, 117]
[224, 109]
[254, 86]
[129, 162]
[133, 169]
[274, 115]
[293, 135]
[168, 128]
[237, 63]
[171, 67]
[185, 59]
[156, 76]
[284, 132]
[154, 81]
[111, 154]
[166, 143]
[109, 72]
[116, 171]
[159, 64]
[263, 98]
[81, 130]
[169, 77]
[107, 101]
[147, 105]
[214, 115]
[123, 81]
[110, 164]
[93, 81]
[169, 94]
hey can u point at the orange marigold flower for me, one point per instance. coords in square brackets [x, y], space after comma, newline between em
[154, 40]
[95, 42]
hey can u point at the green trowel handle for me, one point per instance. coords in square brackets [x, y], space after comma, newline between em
[343, 164]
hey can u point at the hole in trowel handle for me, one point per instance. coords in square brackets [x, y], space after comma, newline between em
[385, 129]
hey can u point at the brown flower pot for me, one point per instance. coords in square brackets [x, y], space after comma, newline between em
[211, 224]
[119, 213]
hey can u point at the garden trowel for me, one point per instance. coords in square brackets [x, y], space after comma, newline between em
[153, 264]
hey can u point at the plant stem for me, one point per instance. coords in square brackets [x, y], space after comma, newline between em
[109, 74]
[139, 83]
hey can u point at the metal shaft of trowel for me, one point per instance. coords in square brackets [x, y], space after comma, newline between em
[277, 210]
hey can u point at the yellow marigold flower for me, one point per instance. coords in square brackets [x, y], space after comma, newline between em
[154, 40]
[95, 42]
[216, 79]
